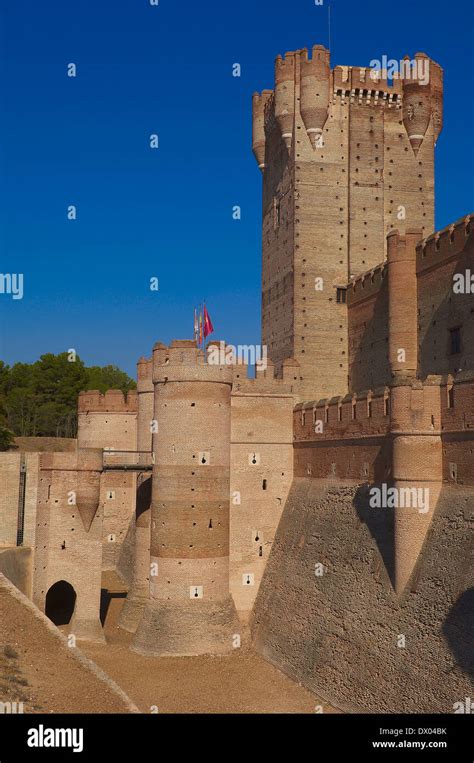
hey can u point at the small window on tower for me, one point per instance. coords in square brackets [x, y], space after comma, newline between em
[455, 341]
[341, 295]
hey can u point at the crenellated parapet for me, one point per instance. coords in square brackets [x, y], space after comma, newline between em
[366, 86]
[285, 74]
[112, 401]
[346, 417]
[107, 420]
[145, 375]
[315, 87]
[305, 86]
[444, 244]
[267, 380]
[366, 284]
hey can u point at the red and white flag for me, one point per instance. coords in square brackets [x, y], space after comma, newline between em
[208, 327]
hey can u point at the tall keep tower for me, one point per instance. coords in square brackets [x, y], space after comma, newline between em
[346, 157]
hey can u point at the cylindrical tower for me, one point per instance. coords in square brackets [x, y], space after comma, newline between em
[436, 87]
[190, 609]
[402, 303]
[417, 468]
[415, 413]
[417, 98]
[258, 126]
[285, 95]
[314, 89]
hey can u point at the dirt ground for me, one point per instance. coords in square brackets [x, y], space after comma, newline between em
[40, 671]
[239, 683]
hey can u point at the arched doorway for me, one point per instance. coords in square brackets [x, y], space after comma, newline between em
[60, 602]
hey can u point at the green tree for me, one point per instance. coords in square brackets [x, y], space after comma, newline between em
[6, 435]
[40, 398]
[108, 377]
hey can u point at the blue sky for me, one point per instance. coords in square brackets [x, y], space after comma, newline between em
[168, 212]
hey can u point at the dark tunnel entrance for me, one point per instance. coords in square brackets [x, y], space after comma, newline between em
[60, 602]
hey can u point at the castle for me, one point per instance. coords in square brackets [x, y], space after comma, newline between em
[234, 505]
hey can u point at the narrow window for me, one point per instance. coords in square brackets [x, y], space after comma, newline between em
[264, 484]
[455, 341]
[369, 409]
[341, 295]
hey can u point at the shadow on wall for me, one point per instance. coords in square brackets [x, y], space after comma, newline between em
[435, 356]
[143, 496]
[60, 602]
[458, 630]
[106, 597]
[372, 346]
[380, 523]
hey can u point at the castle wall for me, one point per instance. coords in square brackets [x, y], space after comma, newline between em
[457, 429]
[360, 448]
[65, 550]
[10, 477]
[16, 564]
[110, 421]
[439, 258]
[107, 421]
[343, 438]
[32, 464]
[367, 301]
[261, 432]
[339, 632]
[118, 490]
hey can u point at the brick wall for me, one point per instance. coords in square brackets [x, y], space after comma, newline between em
[10, 477]
[338, 633]
[261, 475]
[328, 206]
[439, 258]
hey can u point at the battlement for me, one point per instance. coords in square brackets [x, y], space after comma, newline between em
[184, 361]
[267, 380]
[145, 375]
[441, 245]
[287, 59]
[438, 403]
[144, 366]
[367, 85]
[367, 284]
[113, 401]
[308, 85]
[366, 414]
[444, 244]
